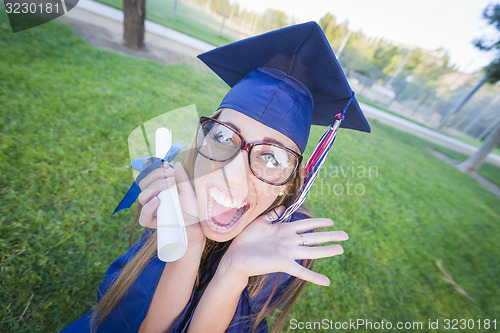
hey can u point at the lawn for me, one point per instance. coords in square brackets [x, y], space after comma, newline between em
[189, 20]
[487, 170]
[67, 109]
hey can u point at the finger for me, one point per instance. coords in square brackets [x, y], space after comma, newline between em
[306, 274]
[316, 252]
[153, 189]
[275, 213]
[317, 238]
[301, 226]
[147, 218]
[183, 182]
[162, 172]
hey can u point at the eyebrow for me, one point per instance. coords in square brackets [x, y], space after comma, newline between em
[271, 140]
[232, 126]
[266, 139]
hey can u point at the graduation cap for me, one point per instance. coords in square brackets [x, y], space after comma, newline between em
[289, 79]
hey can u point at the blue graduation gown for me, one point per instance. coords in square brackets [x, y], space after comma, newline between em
[130, 312]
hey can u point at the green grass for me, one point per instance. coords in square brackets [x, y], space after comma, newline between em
[469, 140]
[415, 211]
[188, 20]
[66, 111]
[489, 171]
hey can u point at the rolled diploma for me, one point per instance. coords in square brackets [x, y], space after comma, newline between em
[171, 233]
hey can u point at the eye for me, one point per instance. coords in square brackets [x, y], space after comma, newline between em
[223, 139]
[270, 160]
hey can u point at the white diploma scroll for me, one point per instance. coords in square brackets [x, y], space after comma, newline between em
[171, 233]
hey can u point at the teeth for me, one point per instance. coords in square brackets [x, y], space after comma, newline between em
[221, 226]
[222, 199]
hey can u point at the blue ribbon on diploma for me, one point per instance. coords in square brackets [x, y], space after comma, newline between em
[145, 165]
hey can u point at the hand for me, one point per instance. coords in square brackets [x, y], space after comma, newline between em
[161, 179]
[263, 248]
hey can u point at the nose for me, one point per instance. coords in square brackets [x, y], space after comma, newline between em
[236, 173]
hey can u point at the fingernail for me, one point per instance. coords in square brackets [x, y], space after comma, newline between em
[169, 172]
[154, 199]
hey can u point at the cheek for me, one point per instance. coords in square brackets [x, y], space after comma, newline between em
[199, 177]
[204, 166]
[201, 167]
[266, 194]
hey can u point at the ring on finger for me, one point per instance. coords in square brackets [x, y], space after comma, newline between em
[304, 242]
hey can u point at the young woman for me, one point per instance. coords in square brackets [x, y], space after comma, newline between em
[244, 169]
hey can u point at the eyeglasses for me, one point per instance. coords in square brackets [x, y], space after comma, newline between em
[269, 162]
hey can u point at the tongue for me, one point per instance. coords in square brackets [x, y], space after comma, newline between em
[223, 215]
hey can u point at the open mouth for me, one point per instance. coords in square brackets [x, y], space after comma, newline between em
[223, 211]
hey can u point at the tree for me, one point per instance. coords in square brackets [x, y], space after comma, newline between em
[335, 33]
[328, 23]
[273, 19]
[492, 75]
[383, 55]
[491, 72]
[474, 162]
[174, 10]
[220, 6]
[133, 23]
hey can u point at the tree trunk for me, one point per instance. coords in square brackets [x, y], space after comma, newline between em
[474, 162]
[133, 25]
[174, 11]
[400, 67]
[459, 105]
[223, 19]
[344, 42]
[487, 130]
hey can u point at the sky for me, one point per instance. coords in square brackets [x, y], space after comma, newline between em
[429, 24]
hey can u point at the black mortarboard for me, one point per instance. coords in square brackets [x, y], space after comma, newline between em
[288, 79]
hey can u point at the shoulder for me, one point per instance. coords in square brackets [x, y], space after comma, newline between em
[299, 215]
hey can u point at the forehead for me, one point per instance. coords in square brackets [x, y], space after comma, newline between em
[253, 130]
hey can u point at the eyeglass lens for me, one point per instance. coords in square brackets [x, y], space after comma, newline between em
[271, 163]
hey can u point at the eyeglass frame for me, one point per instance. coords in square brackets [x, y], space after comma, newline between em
[245, 145]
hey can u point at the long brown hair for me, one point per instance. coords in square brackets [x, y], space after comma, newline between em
[148, 252]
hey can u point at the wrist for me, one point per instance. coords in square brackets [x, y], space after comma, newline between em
[191, 258]
[193, 253]
[226, 271]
